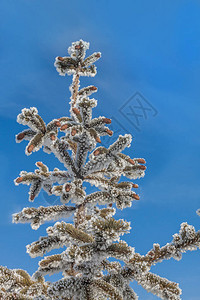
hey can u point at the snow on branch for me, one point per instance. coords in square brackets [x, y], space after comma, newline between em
[39, 134]
[40, 215]
[69, 65]
[161, 287]
[39, 179]
[120, 250]
[186, 239]
[107, 289]
[117, 280]
[66, 230]
[60, 150]
[70, 191]
[45, 244]
[137, 268]
[83, 288]
[109, 228]
[101, 160]
[18, 284]
[51, 265]
[119, 193]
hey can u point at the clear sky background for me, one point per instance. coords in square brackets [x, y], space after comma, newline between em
[148, 47]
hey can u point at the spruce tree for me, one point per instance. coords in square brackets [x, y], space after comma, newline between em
[95, 235]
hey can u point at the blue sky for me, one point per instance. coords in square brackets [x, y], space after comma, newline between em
[151, 48]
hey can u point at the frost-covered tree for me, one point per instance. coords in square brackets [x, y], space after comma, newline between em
[95, 235]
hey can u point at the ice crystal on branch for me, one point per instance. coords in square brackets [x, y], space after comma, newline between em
[95, 236]
[75, 64]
